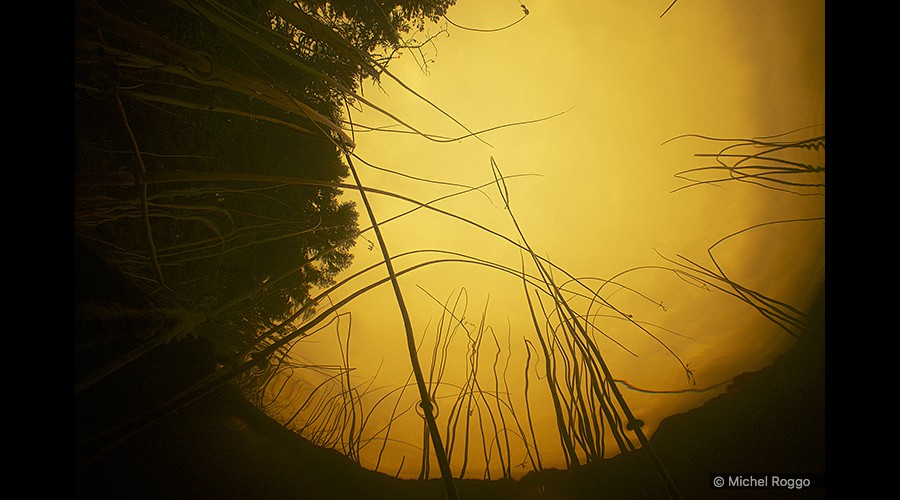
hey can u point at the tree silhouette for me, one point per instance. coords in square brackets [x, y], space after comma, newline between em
[370, 25]
[233, 108]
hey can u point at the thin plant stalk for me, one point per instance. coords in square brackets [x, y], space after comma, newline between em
[427, 407]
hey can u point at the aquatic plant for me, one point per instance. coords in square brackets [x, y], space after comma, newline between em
[777, 162]
[196, 225]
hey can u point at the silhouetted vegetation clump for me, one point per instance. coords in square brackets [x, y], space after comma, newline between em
[209, 146]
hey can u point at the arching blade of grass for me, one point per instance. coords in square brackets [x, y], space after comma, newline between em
[507, 464]
[785, 316]
[565, 439]
[144, 96]
[151, 246]
[668, 8]
[577, 330]
[768, 164]
[92, 14]
[427, 407]
[228, 23]
[536, 459]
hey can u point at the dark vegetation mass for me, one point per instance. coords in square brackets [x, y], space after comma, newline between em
[209, 168]
[209, 149]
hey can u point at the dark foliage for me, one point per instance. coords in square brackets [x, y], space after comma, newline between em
[191, 97]
[379, 23]
[208, 160]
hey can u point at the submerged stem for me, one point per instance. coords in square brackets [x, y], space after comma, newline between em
[427, 407]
